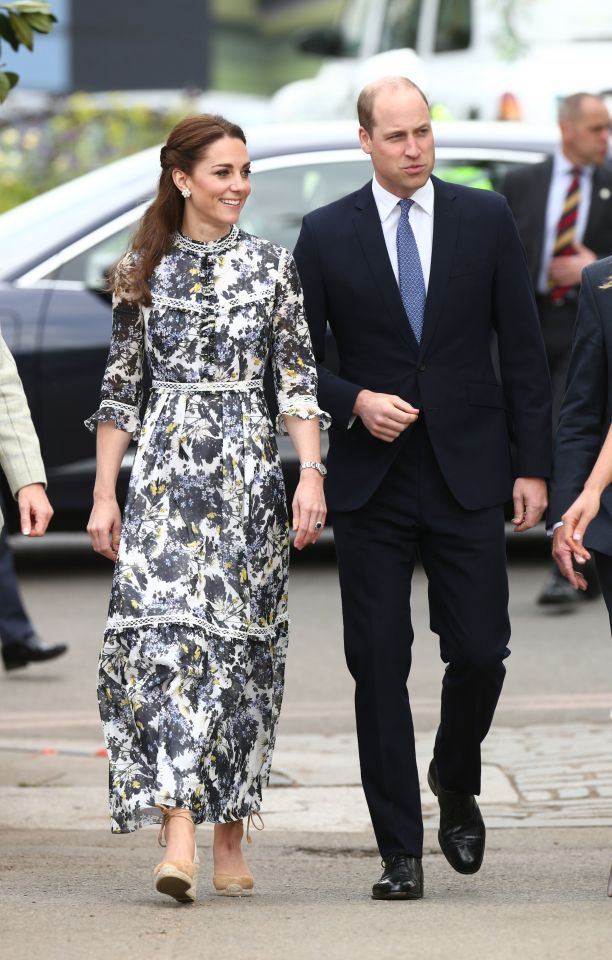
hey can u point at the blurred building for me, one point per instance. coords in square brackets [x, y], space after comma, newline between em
[240, 45]
[119, 45]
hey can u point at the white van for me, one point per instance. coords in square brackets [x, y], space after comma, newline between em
[486, 59]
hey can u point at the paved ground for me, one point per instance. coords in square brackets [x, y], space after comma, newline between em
[69, 888]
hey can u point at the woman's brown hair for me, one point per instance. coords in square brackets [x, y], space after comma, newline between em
[187, 143]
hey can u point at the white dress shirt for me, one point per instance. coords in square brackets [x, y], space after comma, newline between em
[421, 221]
[421, 218]
[557, 192]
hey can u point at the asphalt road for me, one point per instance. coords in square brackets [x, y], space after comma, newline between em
[69, 888]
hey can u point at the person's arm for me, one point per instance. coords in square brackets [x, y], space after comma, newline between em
[104, 527]
[295, 380]
[20, 450]
[581, 423]
[584, 509]
[525, 375]
[309, 500]
[336, 394]
[117, 419]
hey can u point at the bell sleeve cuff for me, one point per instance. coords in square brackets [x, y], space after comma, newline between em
[123, 415]
[306, 408]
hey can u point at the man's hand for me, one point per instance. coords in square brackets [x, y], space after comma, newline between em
[384, 415]
[530, 499]
[567, 271]
[35, 511]
[563, 554]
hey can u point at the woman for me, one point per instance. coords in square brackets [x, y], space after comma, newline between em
[580, 493]
[192, 665]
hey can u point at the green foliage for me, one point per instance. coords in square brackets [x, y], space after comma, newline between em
[81, 137]
[19, 21]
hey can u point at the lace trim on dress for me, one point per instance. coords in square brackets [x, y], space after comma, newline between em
[304, 407]
[252, 632]
[203, 247]
[126, 418]
[178, 304]
[206, 386]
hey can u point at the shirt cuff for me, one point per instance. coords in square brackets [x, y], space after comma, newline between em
[551, 530]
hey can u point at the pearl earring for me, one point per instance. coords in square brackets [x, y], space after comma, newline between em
[186, 192]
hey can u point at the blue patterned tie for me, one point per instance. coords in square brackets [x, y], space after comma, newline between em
[411, 282]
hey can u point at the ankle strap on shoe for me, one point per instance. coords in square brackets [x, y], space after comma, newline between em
[168, 813]
[251, 823]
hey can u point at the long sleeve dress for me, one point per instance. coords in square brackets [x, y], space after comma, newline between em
[192, 665]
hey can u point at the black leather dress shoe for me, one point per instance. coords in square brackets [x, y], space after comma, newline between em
[557, 591]
[31, 650]
[462, 831]
[402, 879]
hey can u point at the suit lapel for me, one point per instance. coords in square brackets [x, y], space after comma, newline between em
[600, 209]
[538, 200]
[370, 234]
[445, 230]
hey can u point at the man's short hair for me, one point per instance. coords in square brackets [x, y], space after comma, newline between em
[571, 107]
[367, 97]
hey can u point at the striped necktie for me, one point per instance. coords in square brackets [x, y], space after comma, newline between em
[410, 272]
[565, 234]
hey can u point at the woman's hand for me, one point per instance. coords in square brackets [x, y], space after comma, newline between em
[308, 508]
[104, 527]
[567, 540]
[577, 519]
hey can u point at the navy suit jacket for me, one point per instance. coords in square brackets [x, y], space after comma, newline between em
[478, 285]
[586, 412]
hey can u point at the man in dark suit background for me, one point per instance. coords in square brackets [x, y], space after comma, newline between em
[413, 276]
[563, 210]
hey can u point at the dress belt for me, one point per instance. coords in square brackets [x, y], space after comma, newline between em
[207, 386]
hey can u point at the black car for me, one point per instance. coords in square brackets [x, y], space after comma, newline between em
[55, 252]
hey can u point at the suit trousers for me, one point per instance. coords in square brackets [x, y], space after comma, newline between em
[463, 556]
[15, 626]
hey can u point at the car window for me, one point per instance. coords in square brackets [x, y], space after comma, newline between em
[453, 29]
[91, 266]
[281, 197]
[401, 23]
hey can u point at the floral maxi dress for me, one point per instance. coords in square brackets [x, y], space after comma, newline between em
[192, 665]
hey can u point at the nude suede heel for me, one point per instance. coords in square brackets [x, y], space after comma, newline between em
[227, 885]
[176, 878]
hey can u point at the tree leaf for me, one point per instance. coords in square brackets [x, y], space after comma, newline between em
[7, 33]
[5, 87]
[23, 30]
[41, 22]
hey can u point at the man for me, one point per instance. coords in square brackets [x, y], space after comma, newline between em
[563, 210]
[420, 458]
[20, 460]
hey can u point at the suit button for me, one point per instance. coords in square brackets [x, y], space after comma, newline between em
[422, 367]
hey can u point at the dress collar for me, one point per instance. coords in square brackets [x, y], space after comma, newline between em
[204, 247]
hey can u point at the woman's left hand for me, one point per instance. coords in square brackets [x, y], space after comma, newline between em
[308, 509]
[576, 521]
